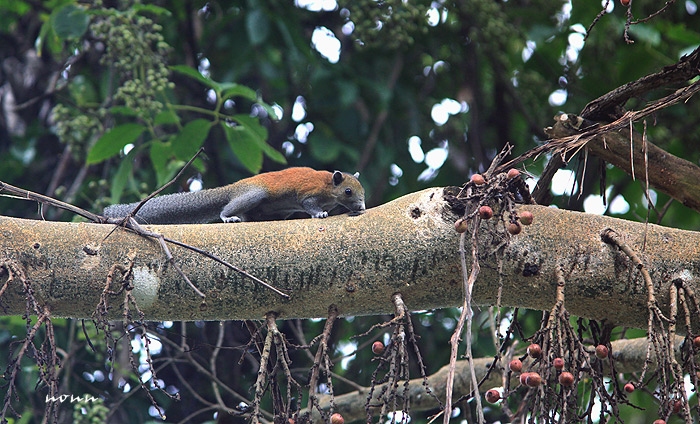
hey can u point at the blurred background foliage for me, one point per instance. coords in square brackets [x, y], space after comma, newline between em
[104, 101]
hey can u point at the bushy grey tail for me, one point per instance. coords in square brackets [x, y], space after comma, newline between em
[178, 208]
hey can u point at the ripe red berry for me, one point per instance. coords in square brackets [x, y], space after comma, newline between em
[677, 405]
[566, 379]
[514, 228]
[478, 179]
[526, 217]
[625, 2]
[523, 378]
[629, 387]
[513, 173]
[377, 347]
[337, 419]
[601, 351]
[696, 342]
[493, 396]
[533, 379]
[485, 212]
[534, 350]
[515, 365]
[461, 225]
[659, 421]
[558, 364]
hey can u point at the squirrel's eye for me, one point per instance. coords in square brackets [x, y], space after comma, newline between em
[348, 192]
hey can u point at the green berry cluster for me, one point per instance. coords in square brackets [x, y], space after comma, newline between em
[90, 411]
[389, 24]
[77, 128]
[137, 52]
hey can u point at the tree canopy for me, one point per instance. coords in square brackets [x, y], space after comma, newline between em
[104, 102]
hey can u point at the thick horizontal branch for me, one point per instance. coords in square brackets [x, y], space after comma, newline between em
[356, 263]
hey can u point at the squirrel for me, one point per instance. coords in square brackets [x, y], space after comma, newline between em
[263, 197]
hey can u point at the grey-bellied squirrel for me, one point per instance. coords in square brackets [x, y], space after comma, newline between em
[263, 197]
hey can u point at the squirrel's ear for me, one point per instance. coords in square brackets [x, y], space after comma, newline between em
[337, 177]
[356, 175]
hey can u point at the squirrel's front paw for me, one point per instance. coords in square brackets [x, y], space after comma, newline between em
[231, 219]
[323, 214]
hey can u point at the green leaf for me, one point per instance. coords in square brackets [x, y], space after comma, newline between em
[113, 141]
[231, 89]
[160, 155]
[150, 8]
[47, 38]
[259, 137]
[253, 125]
[166, 117]
[69, 21]
[190, 139]
[245, 146]
[273, 154]
[195, 74]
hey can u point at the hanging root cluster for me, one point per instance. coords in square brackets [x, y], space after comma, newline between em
[558, 360]
[489, 197]
[44, 356]
[568, 372]
[389, 388]
[130, 330]
[667, 372]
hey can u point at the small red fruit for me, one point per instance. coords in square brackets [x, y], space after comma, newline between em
[515, 365]
[677, 405]
[659, 422]
[485, 212]
[629, 387]
[601, 351]
[523, 378]
[566, 379]
[514, 228]
[513, 173]
[493, 396]
[337, 419]
[377, 347]
[558, 364]
[696, 342]
[461, 225]
[625, 2]
[478, 179]
[534, 350]
[526, 217]
[533, 379]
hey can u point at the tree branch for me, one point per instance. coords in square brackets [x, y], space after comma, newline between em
[357, 263]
